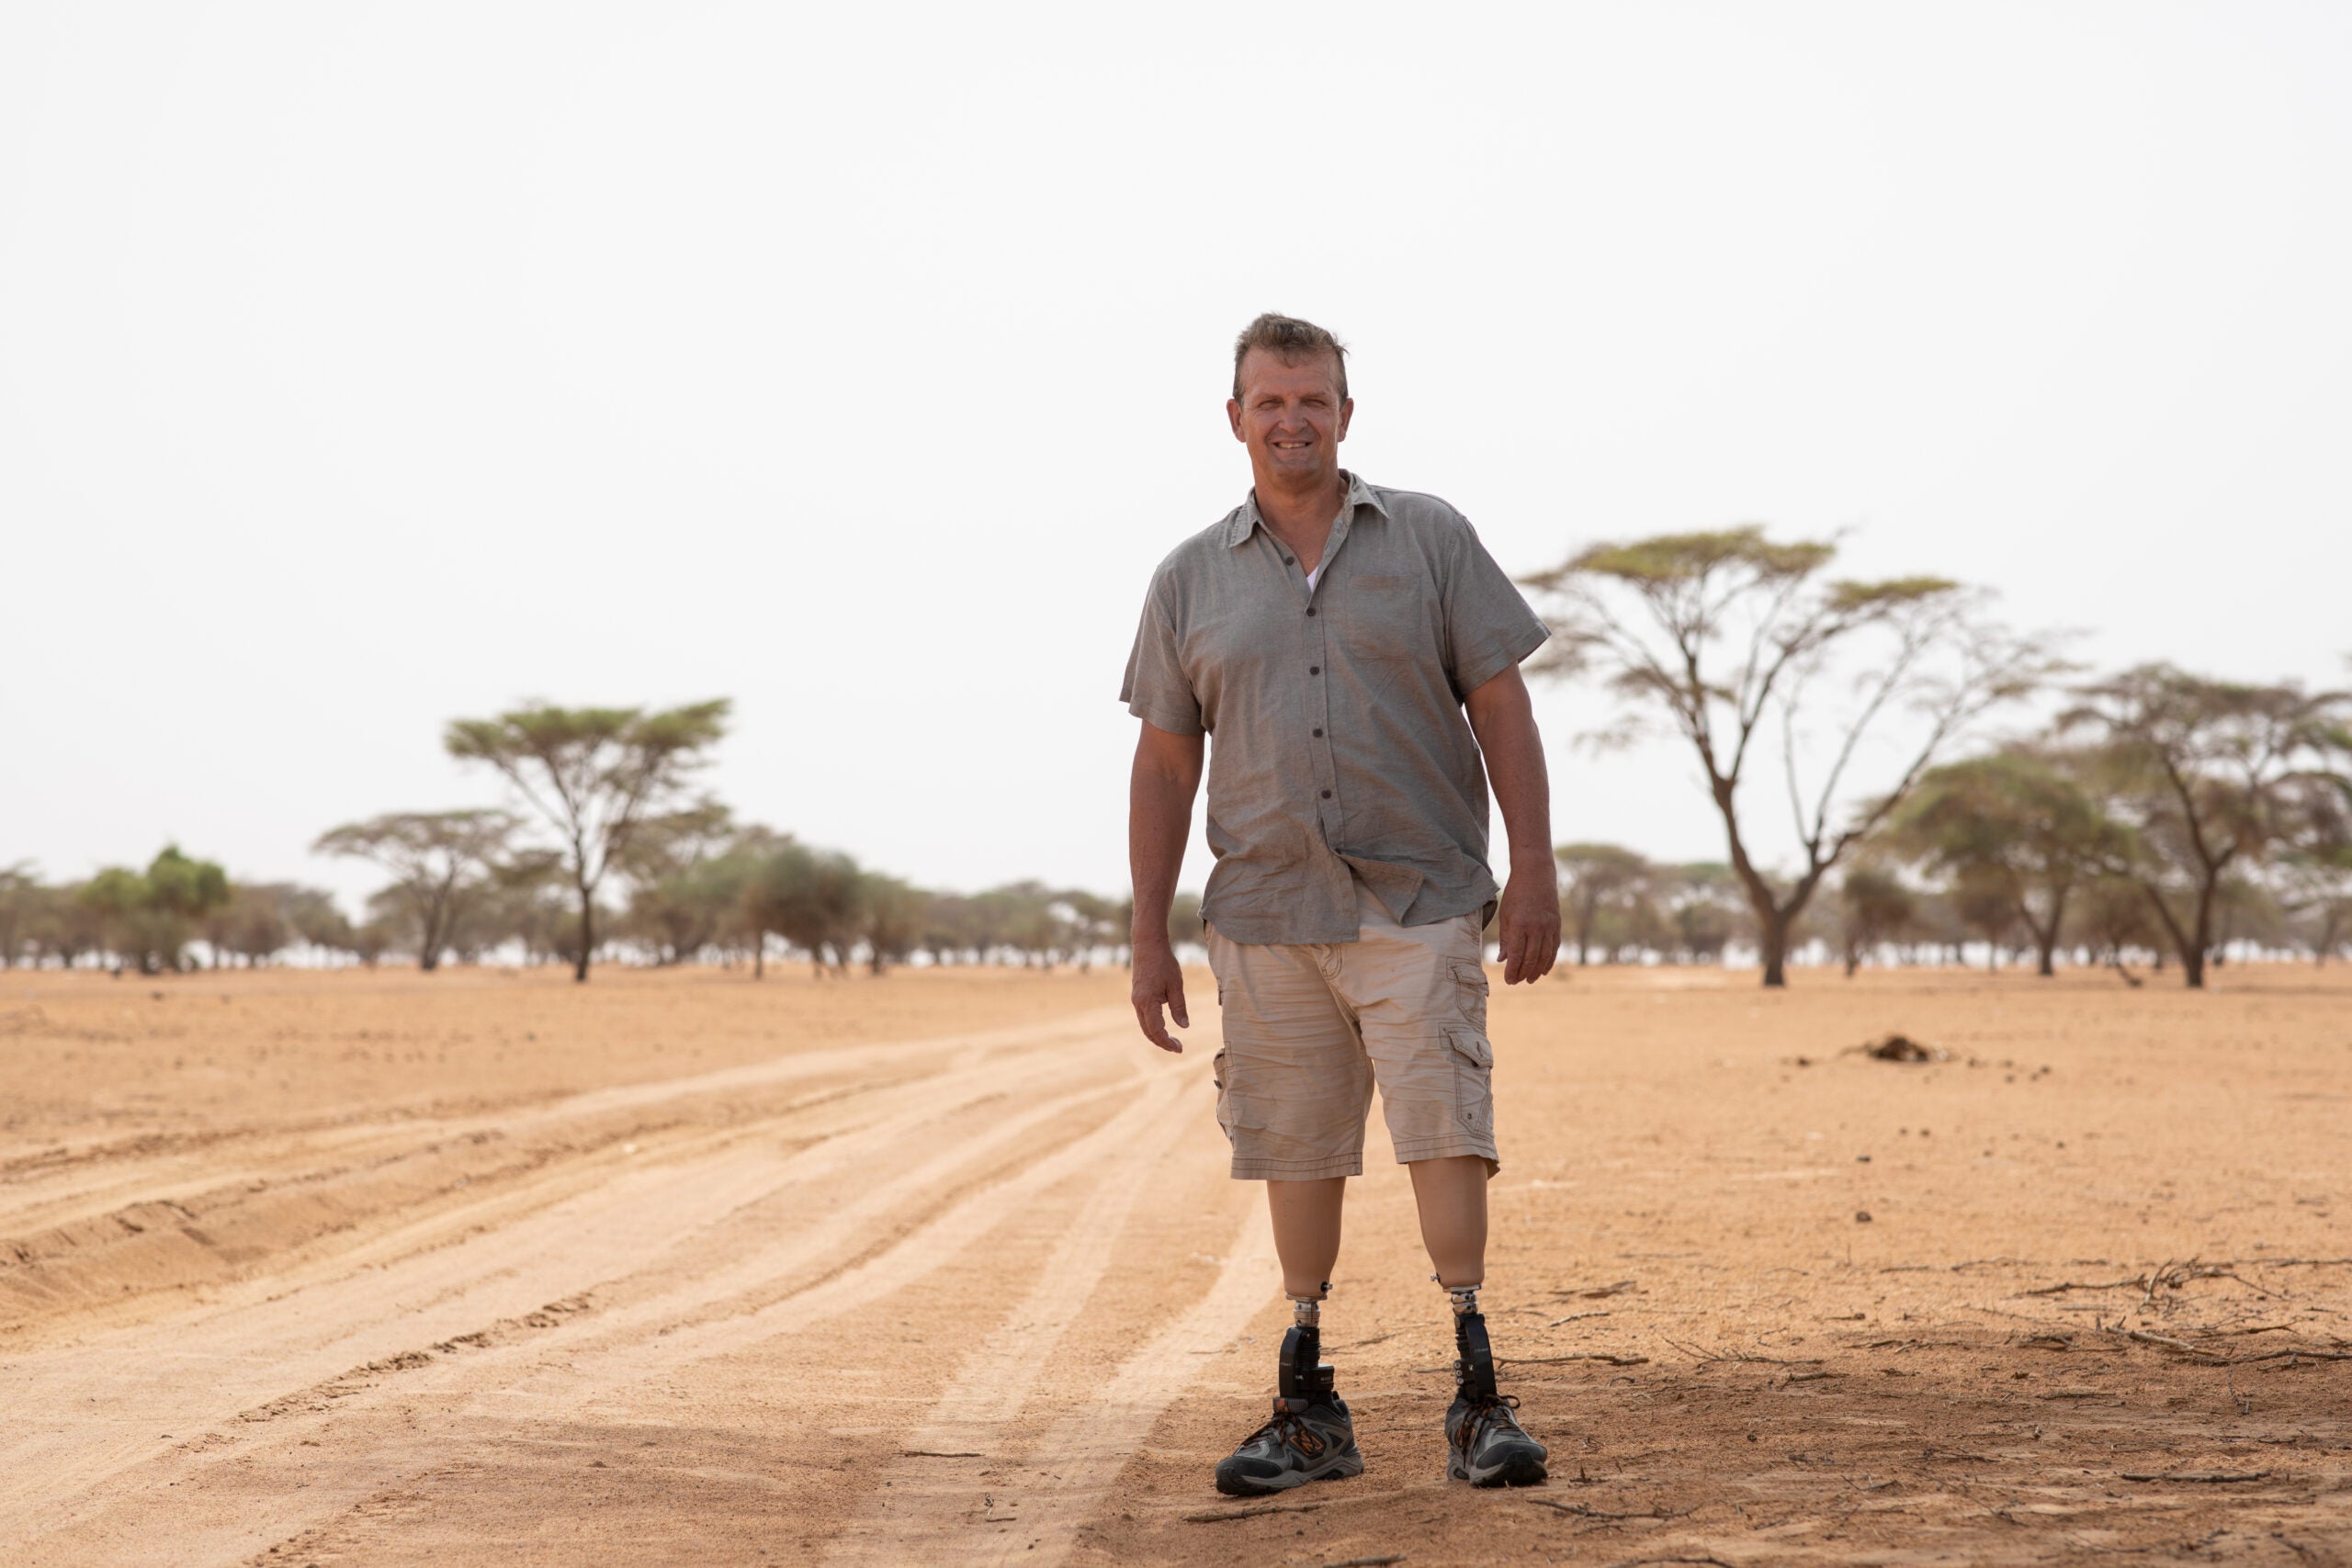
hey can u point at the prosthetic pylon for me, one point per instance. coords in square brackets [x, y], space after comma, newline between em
[1474, 1365]
[1305, 1375]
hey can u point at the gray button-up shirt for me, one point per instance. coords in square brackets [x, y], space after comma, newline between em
[1340, 749]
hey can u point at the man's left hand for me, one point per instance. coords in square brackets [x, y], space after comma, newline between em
[1528, 928]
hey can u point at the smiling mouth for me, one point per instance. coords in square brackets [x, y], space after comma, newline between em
[1289, 445]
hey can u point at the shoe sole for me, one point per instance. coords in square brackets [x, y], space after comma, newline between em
[1518, 1469]
[1338, 1468]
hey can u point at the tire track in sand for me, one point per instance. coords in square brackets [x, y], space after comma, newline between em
[201, 1371]
[91, 1178]
[941, 1506]
[1091, 1444]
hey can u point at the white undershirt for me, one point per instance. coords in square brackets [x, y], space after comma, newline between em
[1313, 575]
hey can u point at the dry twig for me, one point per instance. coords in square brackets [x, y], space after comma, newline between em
[1599, 1516]
[2209, 1358]
[1221, 1516]
[1705, 1358]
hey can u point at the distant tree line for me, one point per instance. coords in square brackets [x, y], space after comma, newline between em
[609, 851]
[2161, 816]
[2158, 819]
[145, 920]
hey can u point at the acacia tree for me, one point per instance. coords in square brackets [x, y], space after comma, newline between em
[809, 897]
[598, 776]
[20, 893]
[253, 925]
[2018, 828]
[442, 862]
[891, 918]
[148, 916]
[1874, 908]
[686, 877]
[2110, 916]
[1593, 876]
[1705, 909]
[2212, 777]
[2314, 884]
[1729, 635]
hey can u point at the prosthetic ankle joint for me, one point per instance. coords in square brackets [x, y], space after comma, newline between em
[1473, 1366]
[1305, 1376]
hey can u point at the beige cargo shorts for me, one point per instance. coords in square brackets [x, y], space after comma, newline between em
[1310, 1027]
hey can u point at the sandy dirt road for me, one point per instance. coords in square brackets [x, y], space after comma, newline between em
[943, 1269]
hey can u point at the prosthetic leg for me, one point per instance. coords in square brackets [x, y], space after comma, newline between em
[1312, 1437]
[1474, 1364]
[1485, 1443]
[1305, 1376]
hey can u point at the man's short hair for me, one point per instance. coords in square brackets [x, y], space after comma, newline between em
[1291, 341]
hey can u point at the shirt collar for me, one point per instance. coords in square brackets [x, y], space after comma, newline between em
[1246, 519]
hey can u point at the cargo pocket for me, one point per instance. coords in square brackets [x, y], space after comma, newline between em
[1474, 1086]
[1233, 1110]
[1470, 992]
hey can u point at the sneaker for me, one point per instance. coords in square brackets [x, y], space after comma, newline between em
[1302, 1443]
[1486, 1446]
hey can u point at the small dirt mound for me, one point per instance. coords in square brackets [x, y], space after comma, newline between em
[1903, 1048]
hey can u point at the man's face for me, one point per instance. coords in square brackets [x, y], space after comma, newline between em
[1290, 416]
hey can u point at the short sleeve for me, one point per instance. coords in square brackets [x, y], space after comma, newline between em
[1488, 626]
[1156, 689]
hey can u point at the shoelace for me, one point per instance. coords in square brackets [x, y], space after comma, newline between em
[1288, 1427]
[1483, 1414]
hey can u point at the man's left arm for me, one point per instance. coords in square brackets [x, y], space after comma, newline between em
[1503, 718]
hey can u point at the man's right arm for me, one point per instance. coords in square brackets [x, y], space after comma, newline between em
[1166, 776]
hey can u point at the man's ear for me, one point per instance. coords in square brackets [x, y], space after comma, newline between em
[1347, 413]
[1233, 417]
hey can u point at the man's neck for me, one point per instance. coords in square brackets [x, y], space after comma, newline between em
[1302, 518]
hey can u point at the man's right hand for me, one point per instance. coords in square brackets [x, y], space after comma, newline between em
[1159, 982]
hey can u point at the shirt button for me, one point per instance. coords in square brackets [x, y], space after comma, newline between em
[1314, 670]
[1286, 560]
[1327, 795]
[1310, 609]
[1319, 735]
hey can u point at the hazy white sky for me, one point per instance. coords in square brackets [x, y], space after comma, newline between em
[365, 365]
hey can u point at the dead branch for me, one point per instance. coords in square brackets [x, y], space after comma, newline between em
[1597, 1516]
[1574, 1317]
[1221, 1516]
[1554, 1360]
[2207, 1357]
[2171, 1276]
[2059, 1289]
[1709, 1358]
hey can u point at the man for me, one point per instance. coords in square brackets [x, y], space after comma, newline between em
[1355, 651]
